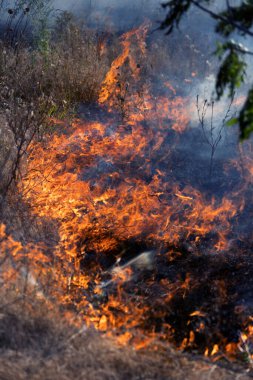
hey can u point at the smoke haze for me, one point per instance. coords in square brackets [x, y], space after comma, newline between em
[120, 15]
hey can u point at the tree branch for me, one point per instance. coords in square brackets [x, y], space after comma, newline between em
[221, 18]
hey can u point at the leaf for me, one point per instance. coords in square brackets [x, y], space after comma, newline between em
[232, 122]
[238, 18]
[246, 117]
[232, 71]
[177, 8]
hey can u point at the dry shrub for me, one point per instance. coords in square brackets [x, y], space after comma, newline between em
[36, 83]
[6, 153]
[21, 123]
[68, 69]
[76, 62]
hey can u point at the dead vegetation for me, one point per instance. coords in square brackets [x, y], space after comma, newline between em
[36, 343]
[63, 69]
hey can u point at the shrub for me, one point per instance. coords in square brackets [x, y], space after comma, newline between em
[47, 80]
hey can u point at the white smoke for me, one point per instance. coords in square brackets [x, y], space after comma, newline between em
[121, 14]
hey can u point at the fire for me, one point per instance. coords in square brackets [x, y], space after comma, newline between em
[111, 81]
[129, 205]
[105, 184]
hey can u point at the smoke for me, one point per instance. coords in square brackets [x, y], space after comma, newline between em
[78, 5]
[127, 13]
[120, 15]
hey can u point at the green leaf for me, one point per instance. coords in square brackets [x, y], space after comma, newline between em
[246, 117]
[232, 122]
[231, 73]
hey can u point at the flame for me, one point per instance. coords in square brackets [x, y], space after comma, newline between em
[105, 184]
[109, 85]
[215, 350]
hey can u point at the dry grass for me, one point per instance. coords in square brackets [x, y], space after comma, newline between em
[67, 70]
[76, 62]
[64, 70]
[36, 343]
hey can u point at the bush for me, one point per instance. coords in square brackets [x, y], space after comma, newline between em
[50, 80]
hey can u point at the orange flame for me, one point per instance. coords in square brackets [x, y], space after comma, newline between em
[102, 185]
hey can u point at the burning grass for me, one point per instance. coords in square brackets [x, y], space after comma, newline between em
[133, 251]
[104, 183]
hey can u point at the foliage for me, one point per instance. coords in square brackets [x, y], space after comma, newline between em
[233, 20]
[232, 70]
[246, 116]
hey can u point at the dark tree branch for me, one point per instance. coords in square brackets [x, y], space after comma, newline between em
[217, 16]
